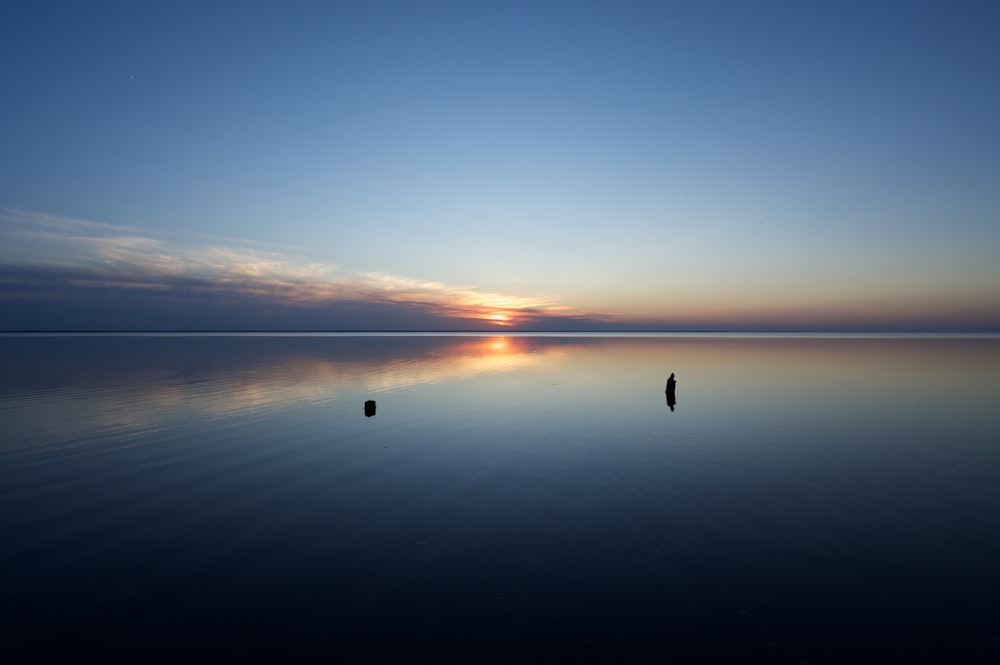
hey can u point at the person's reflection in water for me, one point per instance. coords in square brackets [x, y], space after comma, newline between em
[671, 391]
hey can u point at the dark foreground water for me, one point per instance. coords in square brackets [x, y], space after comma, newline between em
[513, 499]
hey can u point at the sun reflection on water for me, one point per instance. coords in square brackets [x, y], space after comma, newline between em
[254, 384]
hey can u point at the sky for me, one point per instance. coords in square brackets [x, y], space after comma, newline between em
[511, 165]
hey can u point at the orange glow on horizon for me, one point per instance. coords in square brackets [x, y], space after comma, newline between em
[499, 319]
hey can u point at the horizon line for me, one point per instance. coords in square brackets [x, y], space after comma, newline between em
[500, 332]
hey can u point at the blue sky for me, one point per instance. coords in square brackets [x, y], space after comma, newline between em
[340, 165]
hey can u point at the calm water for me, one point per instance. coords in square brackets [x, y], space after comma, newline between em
[514, 499]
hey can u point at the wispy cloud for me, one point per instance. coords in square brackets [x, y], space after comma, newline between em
[85, 254]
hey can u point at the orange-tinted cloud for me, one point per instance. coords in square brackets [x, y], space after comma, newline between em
[87, 255]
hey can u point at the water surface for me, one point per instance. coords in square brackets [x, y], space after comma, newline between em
[514, 499]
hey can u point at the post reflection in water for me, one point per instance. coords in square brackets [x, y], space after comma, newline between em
[517, 498]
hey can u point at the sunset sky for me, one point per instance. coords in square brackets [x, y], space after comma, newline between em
[507, 165]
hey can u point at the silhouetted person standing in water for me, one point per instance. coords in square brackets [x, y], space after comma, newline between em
[671, 391]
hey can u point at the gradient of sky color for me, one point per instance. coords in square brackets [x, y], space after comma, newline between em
[461, 165]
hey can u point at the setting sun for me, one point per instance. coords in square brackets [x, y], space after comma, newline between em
[500, 319]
